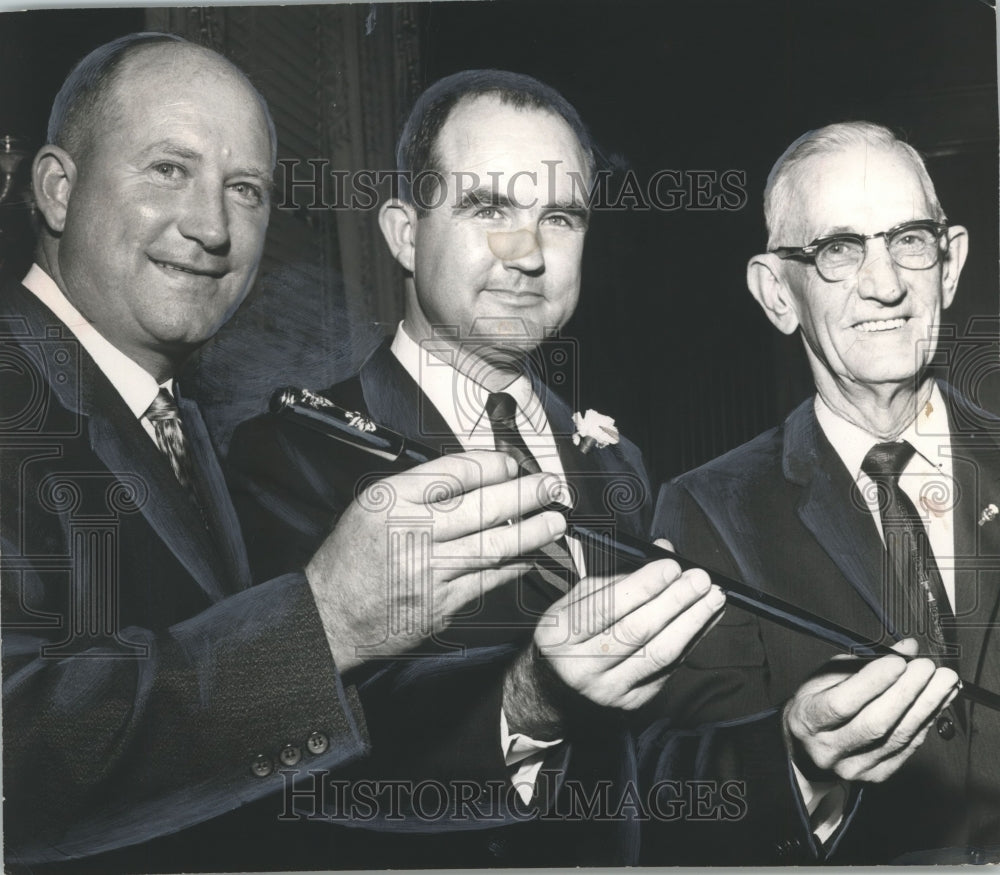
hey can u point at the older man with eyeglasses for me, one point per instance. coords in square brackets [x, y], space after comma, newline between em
[866, 508]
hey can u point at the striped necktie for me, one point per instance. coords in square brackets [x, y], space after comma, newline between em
[554, 563]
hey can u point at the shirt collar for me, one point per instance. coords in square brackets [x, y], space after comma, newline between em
[928, 433]
[458, 398]
[137, 386]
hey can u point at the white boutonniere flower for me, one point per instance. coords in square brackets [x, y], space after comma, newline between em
[594, 429]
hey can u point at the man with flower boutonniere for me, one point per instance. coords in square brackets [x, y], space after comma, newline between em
[873, 506]
[523, 695]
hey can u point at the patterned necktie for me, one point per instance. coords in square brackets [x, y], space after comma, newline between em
[553, 562]
[916, 600]
[166, 419]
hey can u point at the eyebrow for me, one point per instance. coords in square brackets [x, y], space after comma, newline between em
[488, 197]
[169, 147]
[483, 197]
[176, 150]
[840, 229]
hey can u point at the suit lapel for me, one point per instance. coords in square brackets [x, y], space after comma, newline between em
[222, 519]
[975, 438]
[395, 400]
[830, 507]
[121, 443]
[588, 473]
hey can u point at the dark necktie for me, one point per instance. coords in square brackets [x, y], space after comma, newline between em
[916, 600]
[166, 419]
[554, 563]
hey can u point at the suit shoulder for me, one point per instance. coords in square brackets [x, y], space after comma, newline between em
[759, 457]
[968, 417]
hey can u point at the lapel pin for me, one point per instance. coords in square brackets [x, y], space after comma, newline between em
[989, 513]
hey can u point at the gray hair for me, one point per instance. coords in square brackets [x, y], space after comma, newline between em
[787, 171]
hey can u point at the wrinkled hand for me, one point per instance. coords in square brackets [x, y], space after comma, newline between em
[415, 547]
[611, 642]
[863, 725]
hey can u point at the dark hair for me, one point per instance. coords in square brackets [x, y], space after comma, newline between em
[416, 148]
[85, 95]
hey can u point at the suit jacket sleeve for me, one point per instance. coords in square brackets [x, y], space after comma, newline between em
[430, 716]
[714, 722]
[105, 751]
[183, 713]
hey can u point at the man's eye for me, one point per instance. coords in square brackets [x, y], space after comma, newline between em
[487, 213]
[248, 191]
[168, 170]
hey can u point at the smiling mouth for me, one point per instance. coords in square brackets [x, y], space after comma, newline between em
[874, 326]
[516, 295]
[180, 268]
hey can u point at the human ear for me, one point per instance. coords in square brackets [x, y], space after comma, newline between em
[398, 220]
[958, 249]
[53, 176]
[766, 281]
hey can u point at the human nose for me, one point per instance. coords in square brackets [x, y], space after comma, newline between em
[520, 249]
[205, 218]
[878, 276]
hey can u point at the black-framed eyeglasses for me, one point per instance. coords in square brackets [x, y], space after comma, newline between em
[913, 245]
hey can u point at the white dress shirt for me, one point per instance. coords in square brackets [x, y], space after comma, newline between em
[137, 386]
[461, 402]
[928, 482]
[927, 478]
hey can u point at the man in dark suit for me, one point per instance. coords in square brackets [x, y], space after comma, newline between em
[872, 506]
[149, 689]
[491, 244]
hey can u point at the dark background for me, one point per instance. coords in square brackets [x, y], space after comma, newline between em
[666, 339]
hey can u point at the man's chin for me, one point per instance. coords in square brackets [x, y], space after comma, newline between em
[889, 374]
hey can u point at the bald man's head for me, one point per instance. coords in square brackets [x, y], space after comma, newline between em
[86, 101]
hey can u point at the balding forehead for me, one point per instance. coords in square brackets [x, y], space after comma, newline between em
[833, 162]
[173, 60]
[856, 189]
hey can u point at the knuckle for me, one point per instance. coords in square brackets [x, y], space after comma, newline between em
[494, 543]
[832, 711]
[669, 569]
[697, 578]
[815, 715]
[849, 772]
[867, 730]
[824, 758]
[898, 739]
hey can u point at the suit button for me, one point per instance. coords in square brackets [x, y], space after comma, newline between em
[261, 766]
[946, 727]
[786, 847]
[317, 743]
[290, 755]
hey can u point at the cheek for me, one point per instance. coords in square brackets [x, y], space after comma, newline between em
[564, 265]
[248, 228]
[141, 206]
